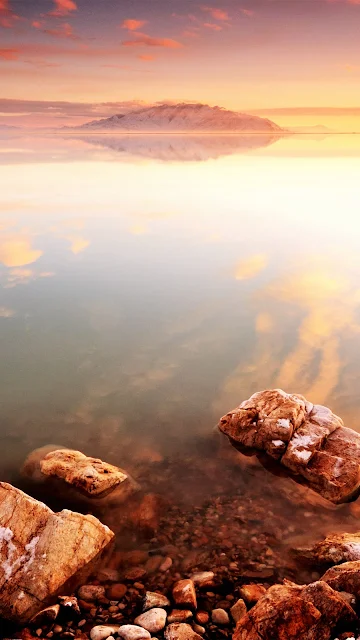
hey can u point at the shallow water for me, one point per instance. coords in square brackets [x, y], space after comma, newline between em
[148, 285]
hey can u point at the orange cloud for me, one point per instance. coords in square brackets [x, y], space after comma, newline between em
[143, 40]
[63, 8]
[77, 244]
[9, 54]
[133, 25]
[211, 25]
[7, 16]
[146, 58]
[250, 267]
[16, 251]
[217, 14]
[65, 30]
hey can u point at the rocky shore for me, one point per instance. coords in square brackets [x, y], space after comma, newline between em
[215, 548]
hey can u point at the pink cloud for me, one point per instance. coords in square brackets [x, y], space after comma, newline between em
[7, 15]
[248, 13]
[63, 8]
[217, 14]
[143, 40]
[9, 54]
[133, 25]
[213, 26]
[146, 58]
[65, 30]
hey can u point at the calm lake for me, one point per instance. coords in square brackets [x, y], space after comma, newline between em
[149, 285]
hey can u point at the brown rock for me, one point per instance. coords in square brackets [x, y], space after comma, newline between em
[134, 574]
[252, 592]
[307, 439]
[202, 617]
[344, 577]
[184, 594]
[70, 603]
[45, 616]
[37, 557]
[153, 599]
[334, 549]
[203, 578]
[180, 631]
[238, 610]
[91, 592]
[220, 617]
[179, 615]
[153, 563]
[290, 612]
[146, 513]
[116, 591]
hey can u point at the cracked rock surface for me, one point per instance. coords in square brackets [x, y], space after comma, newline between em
[308, 440]
[42, 552]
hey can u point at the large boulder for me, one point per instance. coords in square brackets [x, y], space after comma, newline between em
[308, 440]
[344, 577]
[334, 549]
[42, 553]
[291, 612]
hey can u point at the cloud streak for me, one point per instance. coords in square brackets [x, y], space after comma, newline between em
[143, 40]
[7, 15]
[217, 14]
[133, 25]
[63, 8]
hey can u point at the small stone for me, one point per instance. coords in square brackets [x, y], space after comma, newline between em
[153, 599]
[91, 592]
[57, 629]
[199, 629]
[102, 632]
[70, 602]
[180, 631]
[202, 617]
[38, 632]
[81, 623]
[252, 592]
[220, 617]
[184, 594]
[165, 566]
[238, 610]
[179, 615]
[153, 563]
[107, 575]
[134, 574]
[116, 591]
[153, 620]
[132, 632]
[45, 616]
[203, 578]
[113, 609]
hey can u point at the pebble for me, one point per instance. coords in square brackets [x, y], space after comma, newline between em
[220, 616]
[203, 578]
[133, 632]
[202, 617]
[184, 594]
[165, 566]
[108, 575]
[252, 592]
[153, 563]
[181, 632]
[134, 574]
[238, 610]
[102, 632]
[70, 602]
[179, 615]
[199, 629]
[116, 591]
[153, 620]
[57, 629]
[91, 592]
[153, 599]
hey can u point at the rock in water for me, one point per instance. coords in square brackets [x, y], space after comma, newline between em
[344, 577]
[307, 439]
[43, 553]
[184, 594]
[181, 632]
[292, 612]
[334, 549]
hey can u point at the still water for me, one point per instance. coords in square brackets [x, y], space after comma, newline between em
[149, 285]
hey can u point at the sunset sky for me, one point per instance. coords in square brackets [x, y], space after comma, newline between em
[295, 61]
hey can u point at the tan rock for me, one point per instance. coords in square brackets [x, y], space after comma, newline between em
[252, 592]
[180, 631]
[291, 612]
[42, 553]
[307, 439]
[184, 594]
[179, 615]
[153, 620]
[78, 477]
[153, 599]
[238, 610]
[334, 549]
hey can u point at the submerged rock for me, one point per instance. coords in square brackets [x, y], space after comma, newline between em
[309, 440]
[153, 620]
[292, 612]
[334, 549]
[181, 631]
[43, 553]
[153, 600]
[184, 594]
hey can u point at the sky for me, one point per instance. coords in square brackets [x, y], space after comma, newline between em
[68, 61]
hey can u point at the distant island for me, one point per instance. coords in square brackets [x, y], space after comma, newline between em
[182, 118]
